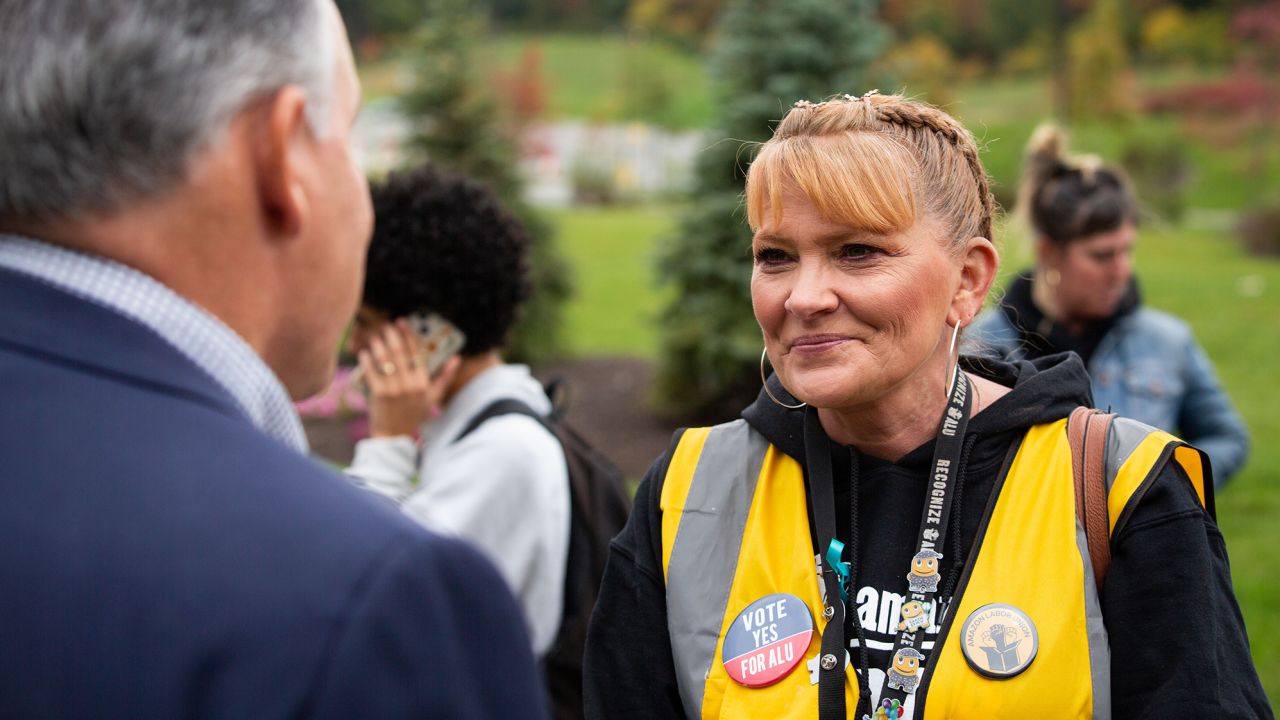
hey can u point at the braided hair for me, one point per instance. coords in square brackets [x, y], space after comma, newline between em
[875, 162]
[1066, 197]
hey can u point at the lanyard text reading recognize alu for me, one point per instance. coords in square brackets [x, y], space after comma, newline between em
[933, 531]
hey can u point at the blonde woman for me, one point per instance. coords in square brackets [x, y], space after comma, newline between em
[890, 529]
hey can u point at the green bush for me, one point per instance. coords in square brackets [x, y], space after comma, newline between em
[1173, 34]
[926, 69]
[1260, 230]
[1160, 168]
[1100, 65]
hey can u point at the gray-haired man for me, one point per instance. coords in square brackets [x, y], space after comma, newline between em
[182, 232]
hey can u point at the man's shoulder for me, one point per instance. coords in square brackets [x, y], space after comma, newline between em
[171, 528]
[154, 464]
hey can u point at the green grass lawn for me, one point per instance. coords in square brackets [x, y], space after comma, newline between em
[1231, 300]
[614, 78]
[615, 309]
[605, 78]
[1205, 278]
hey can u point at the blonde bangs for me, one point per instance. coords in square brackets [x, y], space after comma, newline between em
[863, 180]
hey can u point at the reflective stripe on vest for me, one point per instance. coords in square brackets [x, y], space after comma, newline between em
[735, 528]
[728, 496]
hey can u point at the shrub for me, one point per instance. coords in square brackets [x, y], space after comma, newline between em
[523, 90]
[1161, 169]
[1240, 93]
[1172, 34]
[925, 68]
[1260, 230]
[1099, 76]
[592, 182]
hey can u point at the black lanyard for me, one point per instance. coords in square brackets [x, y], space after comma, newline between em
[933, 531]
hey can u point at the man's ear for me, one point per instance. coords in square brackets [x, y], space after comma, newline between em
[979, 263]
[283, 127]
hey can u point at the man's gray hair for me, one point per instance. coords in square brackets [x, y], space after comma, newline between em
[104, 102]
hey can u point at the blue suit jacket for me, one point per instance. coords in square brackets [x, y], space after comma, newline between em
[161, 558]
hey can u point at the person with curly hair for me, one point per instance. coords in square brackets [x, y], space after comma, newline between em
[443, 244]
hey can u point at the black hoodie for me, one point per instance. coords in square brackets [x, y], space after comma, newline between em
[1041, 336]
[1178, 643]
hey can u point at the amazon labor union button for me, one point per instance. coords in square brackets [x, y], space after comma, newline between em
[767, 640]
[999, 640]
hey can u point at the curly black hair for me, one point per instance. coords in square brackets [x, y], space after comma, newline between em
[443, 243]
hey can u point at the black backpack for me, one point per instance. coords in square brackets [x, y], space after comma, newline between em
[599, 504]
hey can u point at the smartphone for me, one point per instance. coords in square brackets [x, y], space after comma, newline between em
[439, 339]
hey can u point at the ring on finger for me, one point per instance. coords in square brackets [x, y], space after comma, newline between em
[387, 368]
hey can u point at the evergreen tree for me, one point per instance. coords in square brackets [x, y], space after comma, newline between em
[767, 55]
[456, 123]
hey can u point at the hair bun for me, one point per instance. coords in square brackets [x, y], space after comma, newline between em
[1063, 196]
[1048, 142]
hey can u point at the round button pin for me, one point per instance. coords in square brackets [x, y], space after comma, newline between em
[767, 640]
[999, 640]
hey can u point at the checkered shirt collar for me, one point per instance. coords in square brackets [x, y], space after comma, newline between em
[193, 331]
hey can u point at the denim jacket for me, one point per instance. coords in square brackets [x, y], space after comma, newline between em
[1148, 367]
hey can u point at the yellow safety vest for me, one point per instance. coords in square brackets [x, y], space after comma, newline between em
[735, 528]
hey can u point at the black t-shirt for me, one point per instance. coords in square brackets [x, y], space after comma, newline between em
[1178, 643]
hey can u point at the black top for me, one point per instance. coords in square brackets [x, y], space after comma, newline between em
[1178, 642]
[1040, 336]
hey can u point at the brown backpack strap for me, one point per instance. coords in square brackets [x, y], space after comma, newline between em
[1087, 433]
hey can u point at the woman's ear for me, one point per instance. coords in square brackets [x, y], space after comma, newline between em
[979, 262]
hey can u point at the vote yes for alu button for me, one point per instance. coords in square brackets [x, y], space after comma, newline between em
[767, 640]
[999, 640]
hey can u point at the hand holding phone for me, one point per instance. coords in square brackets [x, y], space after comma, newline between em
[438, 340]
[407, 369]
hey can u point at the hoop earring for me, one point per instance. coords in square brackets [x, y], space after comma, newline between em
[951, 369]
[764, 381]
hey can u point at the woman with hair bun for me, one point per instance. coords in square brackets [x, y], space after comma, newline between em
[1082, 296]
[891, 530]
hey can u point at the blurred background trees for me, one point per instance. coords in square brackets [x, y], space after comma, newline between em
[624, 101]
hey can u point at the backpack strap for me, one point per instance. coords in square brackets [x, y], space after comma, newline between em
[1087, 434]
[504, 406]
